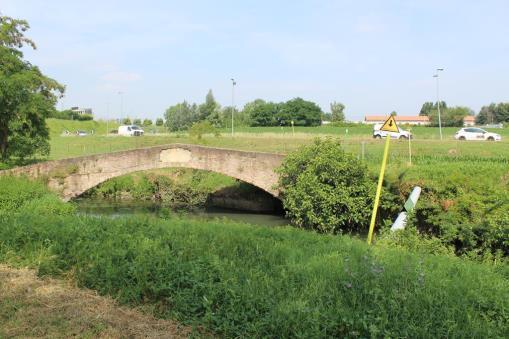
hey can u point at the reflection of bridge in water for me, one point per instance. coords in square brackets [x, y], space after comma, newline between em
[71, 177]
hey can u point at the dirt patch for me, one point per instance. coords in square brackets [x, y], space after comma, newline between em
[48, 308]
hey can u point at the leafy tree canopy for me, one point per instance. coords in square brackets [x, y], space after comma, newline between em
[428, 107]
[159, 122]
[301, 112]
[27, 97]
[450, 116]
[337, 112]
[181, 116]
[494, 114]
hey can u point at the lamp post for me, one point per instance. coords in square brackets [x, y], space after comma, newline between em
[121, 104]
[438, 102]
[233, 100]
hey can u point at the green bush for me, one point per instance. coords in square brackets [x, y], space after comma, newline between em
[198, 129]
[326, 189]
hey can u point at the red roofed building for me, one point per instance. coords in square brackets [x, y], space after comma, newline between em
[411, 119]
[402, 119]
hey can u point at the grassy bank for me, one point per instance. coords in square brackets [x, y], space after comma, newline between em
[241, 280]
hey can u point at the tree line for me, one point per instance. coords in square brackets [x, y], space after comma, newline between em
[259, 112]
[453, 116]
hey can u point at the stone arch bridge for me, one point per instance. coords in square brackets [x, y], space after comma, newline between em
[71, 177]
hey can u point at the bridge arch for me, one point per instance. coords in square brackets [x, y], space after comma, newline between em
[72, 177]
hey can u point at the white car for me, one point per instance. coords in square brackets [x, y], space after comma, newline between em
[377, 134]
[473, 133]
[130, 130]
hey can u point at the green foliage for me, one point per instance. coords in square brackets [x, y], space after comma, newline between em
[126, 121]
[210, 109]
[428, 107]
[159, 122]
[262, 113]
[147, 122]
[493, 114]
[137, 122]
[181, 116]
[18, 195]
[301, 112]
[337, 112]
[70, 115]
[198, 129]
[184, 189]
[27, 97]
[325, 189]
[452, 116]
[246, 281]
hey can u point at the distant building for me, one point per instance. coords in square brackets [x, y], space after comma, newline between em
[469, 120]
[411, 120]
[82, 110]
[402, 119]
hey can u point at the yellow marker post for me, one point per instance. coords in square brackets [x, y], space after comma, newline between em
[388, 126]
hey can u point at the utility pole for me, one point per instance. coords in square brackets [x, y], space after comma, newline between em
[438, 103]
[233, 100]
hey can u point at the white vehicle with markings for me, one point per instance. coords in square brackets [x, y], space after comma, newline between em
[474, 133]
[378, 134]
[130, 130]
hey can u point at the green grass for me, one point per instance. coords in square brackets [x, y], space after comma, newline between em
[245, 281]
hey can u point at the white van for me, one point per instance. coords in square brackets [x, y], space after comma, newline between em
[130, 130]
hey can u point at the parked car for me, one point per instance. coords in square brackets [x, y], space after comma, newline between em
[130, 130]
[81, 133]
[378, 134]
[474, 133]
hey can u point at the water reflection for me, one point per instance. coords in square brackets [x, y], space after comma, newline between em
[126, 208]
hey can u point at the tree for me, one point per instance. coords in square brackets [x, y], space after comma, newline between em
[159, 122]
[451, 117]
[494, 114]
[27, 97]
[301, 112]
[394, 113]
[126, 121]
[428, 107]
[209, 108]
[137, 121]
[337, 114]
[147, 122]
[181, 116]
[261, 113]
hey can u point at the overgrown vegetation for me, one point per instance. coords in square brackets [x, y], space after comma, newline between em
[174, 188]
[327, 189]
[241, 280]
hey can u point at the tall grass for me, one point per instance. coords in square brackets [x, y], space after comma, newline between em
[240, 280]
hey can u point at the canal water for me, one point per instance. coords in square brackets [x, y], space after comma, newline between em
[114, 209]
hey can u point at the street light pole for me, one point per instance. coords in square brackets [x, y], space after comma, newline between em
[121, 105]
[233, 100]
[438, 102]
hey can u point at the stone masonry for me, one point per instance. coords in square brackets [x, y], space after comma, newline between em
[71, 177]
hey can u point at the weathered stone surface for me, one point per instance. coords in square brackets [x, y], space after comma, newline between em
[72, 177]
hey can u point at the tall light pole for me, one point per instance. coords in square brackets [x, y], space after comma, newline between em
[438, 102]
[121, 105]
[233, 99]
[107, 116]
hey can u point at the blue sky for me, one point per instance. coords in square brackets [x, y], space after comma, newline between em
[374, 56]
